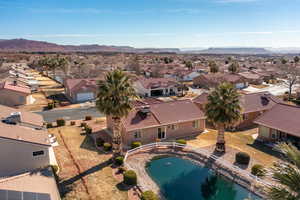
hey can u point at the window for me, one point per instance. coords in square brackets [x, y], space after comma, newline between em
[137, 134]
[174, 126]
[38, 153]
[245, 116]
[196, 123]
[161, 134]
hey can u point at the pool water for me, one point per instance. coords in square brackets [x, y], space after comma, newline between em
[180, 179]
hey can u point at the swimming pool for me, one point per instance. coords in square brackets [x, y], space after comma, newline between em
[181, 179]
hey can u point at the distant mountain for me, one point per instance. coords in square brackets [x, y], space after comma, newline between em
[232, 50]
[16, 45]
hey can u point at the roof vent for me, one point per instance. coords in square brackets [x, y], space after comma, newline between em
[145, 111]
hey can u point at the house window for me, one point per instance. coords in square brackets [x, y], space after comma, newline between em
[38, 153]
[137, 134]
[174, 126]
[21, 98]
[196, 123]
[245, 116]
[161, 134]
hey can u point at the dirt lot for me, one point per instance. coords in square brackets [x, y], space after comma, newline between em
[85, 173]
[238, 141]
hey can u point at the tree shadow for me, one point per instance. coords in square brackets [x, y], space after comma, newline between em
[89, 144]
[263, 148]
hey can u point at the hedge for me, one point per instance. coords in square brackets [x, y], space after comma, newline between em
[149, 195]
[181, 141]
[107, 146]
[135, 144]
[49, 125]
[242, 158]
[60, 122]
[130, 178]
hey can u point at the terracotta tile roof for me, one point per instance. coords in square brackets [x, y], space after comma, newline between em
[157, 82]
[202, 98]
[41, 182]
[26, 117]
[250, 75]
[75, 84]
[162, 114]
[282, 117]
[17, 88]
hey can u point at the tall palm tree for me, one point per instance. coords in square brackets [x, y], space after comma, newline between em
[223, 109]
[286, 174]
[114, 100]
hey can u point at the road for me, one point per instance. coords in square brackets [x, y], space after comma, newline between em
[70, 114]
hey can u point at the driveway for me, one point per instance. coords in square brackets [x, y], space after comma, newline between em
[70, 114]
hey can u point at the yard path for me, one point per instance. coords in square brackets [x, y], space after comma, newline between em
[84, 173]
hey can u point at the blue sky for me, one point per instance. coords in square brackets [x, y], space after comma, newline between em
[154, 23]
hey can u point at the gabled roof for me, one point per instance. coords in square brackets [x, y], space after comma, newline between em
[76, 84]
[157, 82]
[162, 113]
[15, 87]
[282, 117]
[201, 99]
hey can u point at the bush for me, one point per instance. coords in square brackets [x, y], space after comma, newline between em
[72, 123]
[107, 146]
[55, 168]
[258, 170]
[49, 125]
[130, 178]
[135, 145]
[87, 118]
[88, 130]
[99, 142]
[60, 122]
[149, 195]
[119, 160]
[50, 106]
[181, 141]
[296, 101]
[83, 124]
[242, 158]
[121, 169]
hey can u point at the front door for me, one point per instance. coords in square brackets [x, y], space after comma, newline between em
[161, 133]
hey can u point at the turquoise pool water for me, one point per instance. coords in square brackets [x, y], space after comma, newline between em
[181, 179]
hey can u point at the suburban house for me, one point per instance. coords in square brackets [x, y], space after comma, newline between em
[214, 79]
[149, 87]
[189, 76]
[25, 146]
[14, 94]
[156, 121]
[252, 78]
[281, 123]
[252, 105]
[81, 90]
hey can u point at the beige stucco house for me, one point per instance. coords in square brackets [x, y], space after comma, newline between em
[160, 121]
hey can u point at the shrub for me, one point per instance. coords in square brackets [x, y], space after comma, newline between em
[242, 158]
[121, 169]
[149, 195]
[99, 142]
[119, 160]
[55, 168]
[181, 141]
[135, 144]
[50, 106]
[72, 123]
[130, 178]
[107, 146]
[49, 125]
[60, 122]
[83, 124]
[296, 101]
[88, 130]
[87, 118]
[258, 170]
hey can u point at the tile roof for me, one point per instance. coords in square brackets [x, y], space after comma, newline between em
[157, 82]
[26, 117]
[17, 88]
[75, 84]
[39, 182]
[162, 114]
[202, 98]
[282, 117]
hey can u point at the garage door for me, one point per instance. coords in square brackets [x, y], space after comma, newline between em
[87, 96]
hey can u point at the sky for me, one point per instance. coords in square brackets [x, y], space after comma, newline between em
[154, 23]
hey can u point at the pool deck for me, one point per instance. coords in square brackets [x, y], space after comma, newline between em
[139, 160]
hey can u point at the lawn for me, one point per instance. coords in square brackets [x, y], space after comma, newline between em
[84, 173]
[238, 141]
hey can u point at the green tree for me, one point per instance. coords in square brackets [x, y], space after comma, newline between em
[286, 174]
[189, 65]
[214, 68]
[114, 100]
[223, 110]
[296, 59]
[234, 67]
[283, 61]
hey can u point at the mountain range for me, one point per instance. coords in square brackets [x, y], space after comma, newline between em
[18, 45]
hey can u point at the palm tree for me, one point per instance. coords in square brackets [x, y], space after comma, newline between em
[114, 100]
[223, 109]
[286, 174]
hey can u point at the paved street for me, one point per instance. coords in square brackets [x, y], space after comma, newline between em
[70, 114]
